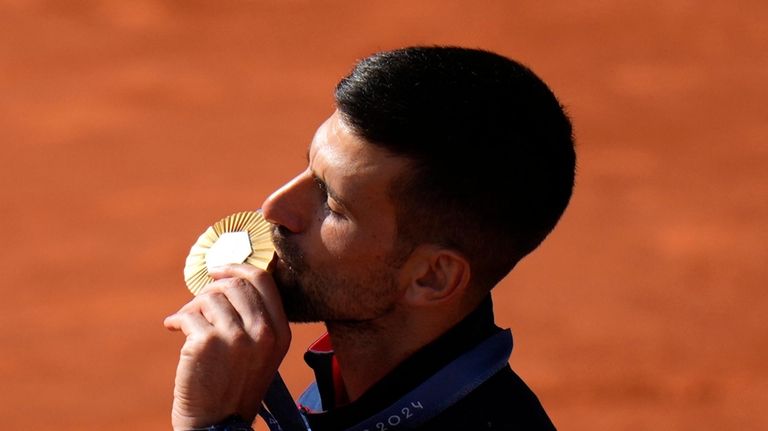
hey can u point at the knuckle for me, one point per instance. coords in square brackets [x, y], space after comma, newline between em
[212, 287]
[210, 296]
[239, 283]
[264, 334]
[234, 284]
[238, 338]
[204, 339]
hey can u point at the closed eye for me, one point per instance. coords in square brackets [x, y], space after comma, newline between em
[321, 186]
[327, 195]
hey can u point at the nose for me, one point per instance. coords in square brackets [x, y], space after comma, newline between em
[290, 205]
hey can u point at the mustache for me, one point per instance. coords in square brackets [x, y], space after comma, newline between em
[287, 249]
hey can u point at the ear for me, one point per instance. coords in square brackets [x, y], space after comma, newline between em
[433, 275]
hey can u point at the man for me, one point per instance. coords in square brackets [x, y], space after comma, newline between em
[439, 170]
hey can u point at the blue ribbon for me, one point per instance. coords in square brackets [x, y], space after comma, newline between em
[282, 414]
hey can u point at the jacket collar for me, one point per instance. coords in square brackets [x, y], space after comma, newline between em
[476, 327]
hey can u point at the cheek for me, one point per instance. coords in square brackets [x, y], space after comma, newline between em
[344, 241]
[339, 238]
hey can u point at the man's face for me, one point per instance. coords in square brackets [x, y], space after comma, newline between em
[335, 230]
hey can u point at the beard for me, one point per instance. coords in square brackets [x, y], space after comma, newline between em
[315, 294]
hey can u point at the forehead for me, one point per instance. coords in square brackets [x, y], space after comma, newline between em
[349, 164]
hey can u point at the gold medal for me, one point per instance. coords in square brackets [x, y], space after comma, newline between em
[244, 237]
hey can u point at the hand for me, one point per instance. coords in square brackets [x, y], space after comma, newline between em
[237, 335]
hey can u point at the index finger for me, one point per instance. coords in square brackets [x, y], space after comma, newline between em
[262, 281]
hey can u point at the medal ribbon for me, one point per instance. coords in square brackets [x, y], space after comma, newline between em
[446, 387]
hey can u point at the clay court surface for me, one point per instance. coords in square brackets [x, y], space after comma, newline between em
[127, 127]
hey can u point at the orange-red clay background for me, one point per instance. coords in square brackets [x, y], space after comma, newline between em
[127, 127]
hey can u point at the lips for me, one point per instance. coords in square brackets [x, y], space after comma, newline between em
[285, 275]
[279, 265]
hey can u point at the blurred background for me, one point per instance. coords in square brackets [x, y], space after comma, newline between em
[126, 128]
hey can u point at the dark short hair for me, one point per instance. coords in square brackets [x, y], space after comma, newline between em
[491, 150]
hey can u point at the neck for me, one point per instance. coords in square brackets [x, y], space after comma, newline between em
[368, 351]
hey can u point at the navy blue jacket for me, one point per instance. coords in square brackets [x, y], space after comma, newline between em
[503, 402]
